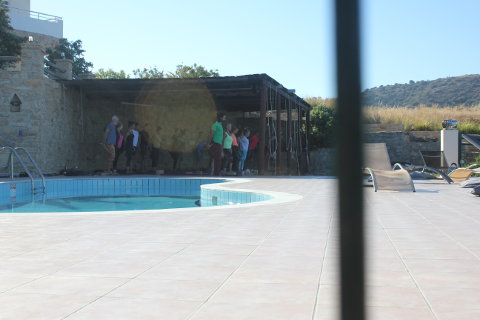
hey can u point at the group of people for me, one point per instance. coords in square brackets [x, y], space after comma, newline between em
[231, 148]
[116, 142]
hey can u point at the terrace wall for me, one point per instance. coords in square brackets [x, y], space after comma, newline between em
[402, 147]
[406, 146]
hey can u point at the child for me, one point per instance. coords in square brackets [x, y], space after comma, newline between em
[243, 145]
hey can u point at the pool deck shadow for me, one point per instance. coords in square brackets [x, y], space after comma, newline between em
[274, 261]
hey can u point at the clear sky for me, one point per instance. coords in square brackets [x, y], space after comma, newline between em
[292, 41]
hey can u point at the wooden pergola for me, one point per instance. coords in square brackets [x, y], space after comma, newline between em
[284, 118]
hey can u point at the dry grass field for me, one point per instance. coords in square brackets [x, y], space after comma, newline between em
[421, 118]
[426, 118]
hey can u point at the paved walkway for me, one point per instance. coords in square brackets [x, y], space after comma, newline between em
[266, 262]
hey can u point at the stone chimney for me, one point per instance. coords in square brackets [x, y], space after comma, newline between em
[66, 65]
[32, 60]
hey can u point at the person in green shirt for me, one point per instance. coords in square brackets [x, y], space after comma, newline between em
[216, 144]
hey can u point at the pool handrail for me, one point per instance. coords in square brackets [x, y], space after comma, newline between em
[34, 163]
[13, 152]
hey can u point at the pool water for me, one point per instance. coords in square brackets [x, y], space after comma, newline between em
[95, 204]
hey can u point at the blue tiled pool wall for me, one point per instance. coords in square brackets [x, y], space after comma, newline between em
[65, 188]
[214, 197]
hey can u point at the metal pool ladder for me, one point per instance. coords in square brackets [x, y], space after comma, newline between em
[13, 152]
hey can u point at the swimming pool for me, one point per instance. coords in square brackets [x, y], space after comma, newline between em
[119, 194]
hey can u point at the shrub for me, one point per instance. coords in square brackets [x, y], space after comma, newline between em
[322, 120]
[469, 128]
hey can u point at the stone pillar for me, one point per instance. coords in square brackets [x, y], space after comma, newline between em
[65, 64]
[32, 61]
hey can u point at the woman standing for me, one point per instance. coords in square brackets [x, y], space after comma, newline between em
[243, 142]
[227, 148]
[131, 143]
[216, 144]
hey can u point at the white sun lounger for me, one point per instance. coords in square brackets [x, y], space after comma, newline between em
[384, 177]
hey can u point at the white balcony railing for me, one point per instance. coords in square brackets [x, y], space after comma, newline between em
[38, 22]
[34, 14]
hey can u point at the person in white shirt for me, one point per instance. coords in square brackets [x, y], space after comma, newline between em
[131, 143]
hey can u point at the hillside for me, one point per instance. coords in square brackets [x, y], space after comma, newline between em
[453, 91]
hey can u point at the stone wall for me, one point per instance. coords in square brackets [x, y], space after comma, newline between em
[406, 146]
[47, 121]
[44, 41]
[322, 161]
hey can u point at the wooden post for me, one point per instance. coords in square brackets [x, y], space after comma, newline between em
[289, 137]
[278, 108]
[263, 136]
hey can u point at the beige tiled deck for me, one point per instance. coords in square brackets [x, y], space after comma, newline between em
[267, 262]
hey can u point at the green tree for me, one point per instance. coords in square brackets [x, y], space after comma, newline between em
[182, 71]
[111, 74]
[10, 44]
[194, 71]
[148, 73]
[70, 50]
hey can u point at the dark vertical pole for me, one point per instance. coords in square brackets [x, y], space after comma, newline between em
[278, 105]
[308, 129]
[263, 136]
[300, 140]
[289, 136]
[349, 159]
